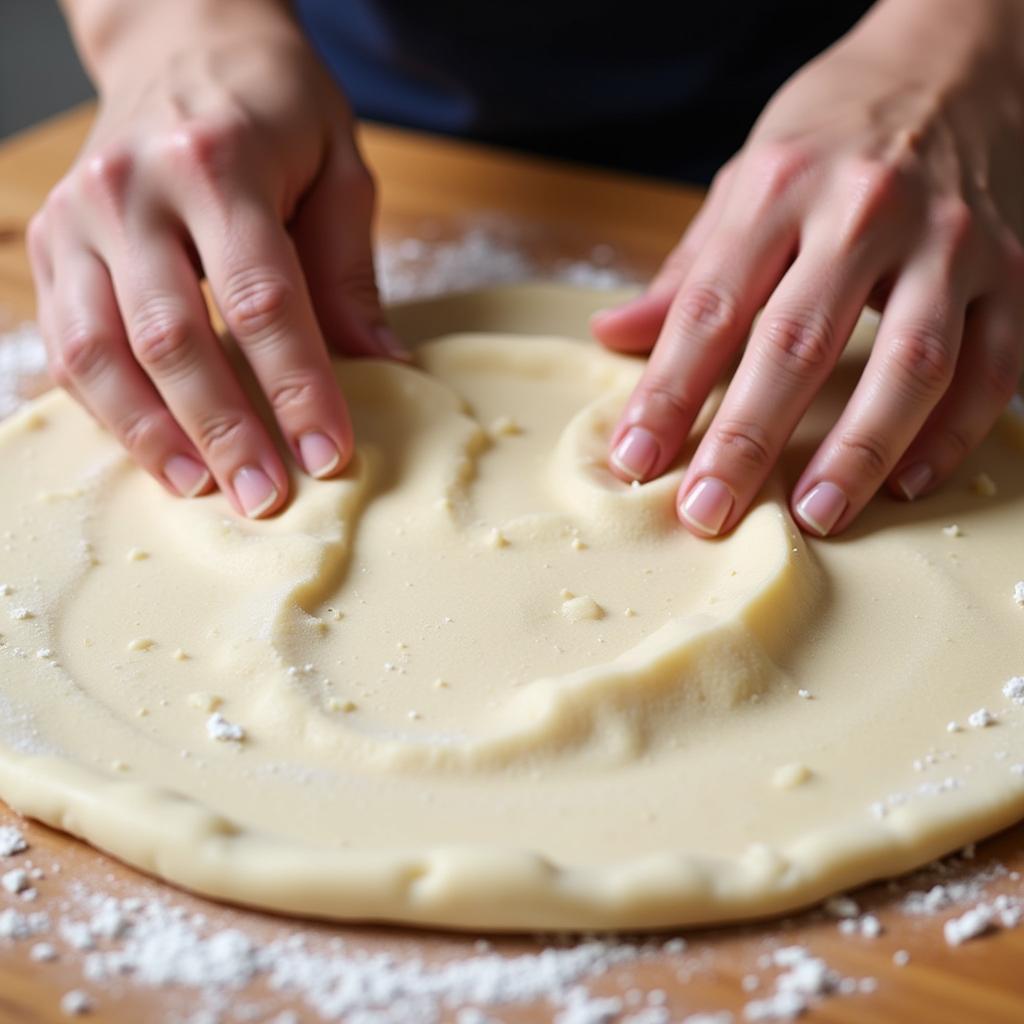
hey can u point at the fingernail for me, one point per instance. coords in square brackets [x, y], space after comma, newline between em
[914, 479]
[388, 343]
[636, 454]
[707, 506]
[255, 491]
[187, 476]
[319, 453]
[821, 507]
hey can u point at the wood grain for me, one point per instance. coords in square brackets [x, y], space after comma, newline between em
[437, 187]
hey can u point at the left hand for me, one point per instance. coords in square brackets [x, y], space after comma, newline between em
[890, 168]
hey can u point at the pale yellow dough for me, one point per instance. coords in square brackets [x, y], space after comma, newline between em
[477, 681]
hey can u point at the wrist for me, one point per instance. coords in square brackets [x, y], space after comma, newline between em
[940, 39]
[118, 37]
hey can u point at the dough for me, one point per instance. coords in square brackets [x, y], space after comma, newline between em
[479, 682]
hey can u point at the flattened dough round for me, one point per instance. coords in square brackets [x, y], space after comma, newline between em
[478, 682]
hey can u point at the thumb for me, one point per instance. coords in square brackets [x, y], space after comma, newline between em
[332, 229]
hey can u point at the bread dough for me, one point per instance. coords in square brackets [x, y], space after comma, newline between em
[479, 682]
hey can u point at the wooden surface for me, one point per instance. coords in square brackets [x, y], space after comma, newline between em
[438, 188]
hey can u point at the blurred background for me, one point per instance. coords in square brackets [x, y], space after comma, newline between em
[39, 72]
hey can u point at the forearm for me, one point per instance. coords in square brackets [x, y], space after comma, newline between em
[111, 33]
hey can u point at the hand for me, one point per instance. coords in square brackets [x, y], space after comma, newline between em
[889, 168]
[228, 156]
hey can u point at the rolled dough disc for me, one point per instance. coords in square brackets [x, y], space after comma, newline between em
[478, 682]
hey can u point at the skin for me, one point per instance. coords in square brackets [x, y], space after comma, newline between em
[868, 178]
[223, 151]
[231, 159]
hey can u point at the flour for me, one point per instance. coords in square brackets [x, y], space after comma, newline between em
[219, 728]
[1014, 689]
[11, 841]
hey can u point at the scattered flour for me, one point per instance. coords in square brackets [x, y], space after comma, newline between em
[1018, 593]
[219, 728]
[11, 841]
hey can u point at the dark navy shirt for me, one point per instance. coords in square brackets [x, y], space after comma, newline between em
[667, 88]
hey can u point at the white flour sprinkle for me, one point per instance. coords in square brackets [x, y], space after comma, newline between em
[1014, 689]
[11, 841]
[76, 1002]
[219, 728]
[1018, 593]
[981, 719]
[15, 881]
[969, 925]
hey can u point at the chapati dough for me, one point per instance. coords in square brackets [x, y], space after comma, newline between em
[479, 682]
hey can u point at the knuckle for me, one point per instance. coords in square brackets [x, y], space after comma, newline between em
[957, 441]
[220, 432]
[256, 303]
[707, 307]
[743, 443]
[868, 455]
[142, 430]
[876, 193]
[83, 350]
[162, 342]
[105, 177]
[205, 148]
[776, 168]
[665, 404]
[801, 344]
[61, 200]
[296, 392]
[924, 359]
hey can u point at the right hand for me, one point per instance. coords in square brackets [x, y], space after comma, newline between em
[233, 160]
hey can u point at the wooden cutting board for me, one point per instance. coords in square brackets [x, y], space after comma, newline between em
[437, 188]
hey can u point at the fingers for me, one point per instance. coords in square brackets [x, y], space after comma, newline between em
[333, 234]
[908, 372]
[634, 326]
[987, 376]
[793, 349]
[92, 355]
[259, 287]
[172, 340]
[707, 322]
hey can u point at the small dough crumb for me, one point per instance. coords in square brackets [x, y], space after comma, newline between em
[137, 555]
[981, 719]
[347, 706]
[141, 643]
[789, 776]
[578, 545]
[219, 728]
[805, 694]
[953, 530]
[496, 539]
[578, 609]
[21, 614]
[954, 727]
[1018, 593]
[984, 486]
